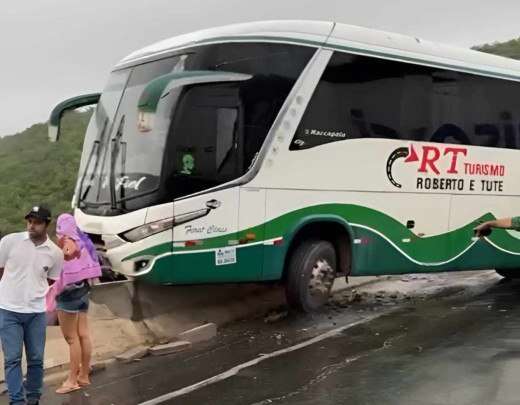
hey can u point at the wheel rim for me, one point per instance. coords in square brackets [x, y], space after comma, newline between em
[320, 281]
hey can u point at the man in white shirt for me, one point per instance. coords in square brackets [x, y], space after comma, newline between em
[29, 262]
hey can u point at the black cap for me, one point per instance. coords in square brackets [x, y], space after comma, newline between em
[39, 212]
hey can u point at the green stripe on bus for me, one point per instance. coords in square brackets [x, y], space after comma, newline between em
[426, 250]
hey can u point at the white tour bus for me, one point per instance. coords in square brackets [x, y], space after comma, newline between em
[300, 151]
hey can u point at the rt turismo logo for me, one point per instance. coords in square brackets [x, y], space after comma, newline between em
[435, 162]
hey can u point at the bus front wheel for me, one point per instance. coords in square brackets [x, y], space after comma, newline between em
[509, 273]
[310, 275]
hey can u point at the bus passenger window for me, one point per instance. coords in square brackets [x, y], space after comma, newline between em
[366, 97]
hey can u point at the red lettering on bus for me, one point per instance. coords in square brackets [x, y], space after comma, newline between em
[455, 151]
[428, 160]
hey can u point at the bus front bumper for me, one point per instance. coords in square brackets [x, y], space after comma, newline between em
[124, 258]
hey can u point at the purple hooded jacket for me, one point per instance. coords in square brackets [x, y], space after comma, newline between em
[84, 264]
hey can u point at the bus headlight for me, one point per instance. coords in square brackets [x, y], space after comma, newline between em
[146, 230]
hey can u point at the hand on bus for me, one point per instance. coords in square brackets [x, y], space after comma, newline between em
[483, 229]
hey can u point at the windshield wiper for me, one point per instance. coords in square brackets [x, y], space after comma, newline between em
[93, 151]
[95, 147]
[116, 143]
[123, 174]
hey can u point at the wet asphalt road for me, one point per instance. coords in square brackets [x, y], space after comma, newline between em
[459, 350]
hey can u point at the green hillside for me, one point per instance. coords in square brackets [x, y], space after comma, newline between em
[510, 49]
[33, 170]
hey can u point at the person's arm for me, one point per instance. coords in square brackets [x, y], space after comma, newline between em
[503, 223]
[3, 254]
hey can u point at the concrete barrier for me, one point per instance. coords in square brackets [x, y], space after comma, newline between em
[166, 311]
[127, 314]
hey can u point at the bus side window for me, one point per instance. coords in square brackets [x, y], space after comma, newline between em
[476, 110]
[449, 133]
[366, 97]
[363, 97]
[488, 134]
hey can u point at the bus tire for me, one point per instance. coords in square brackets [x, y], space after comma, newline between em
[310, 275]
[509, 274]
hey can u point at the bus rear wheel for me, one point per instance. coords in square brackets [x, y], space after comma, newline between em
[310, 275]
[510, 274]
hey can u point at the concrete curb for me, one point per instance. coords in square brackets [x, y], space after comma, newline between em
[199, 334]
[169, 348]
[135, 353]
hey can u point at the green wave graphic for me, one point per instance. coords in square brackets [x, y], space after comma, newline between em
[428, 249]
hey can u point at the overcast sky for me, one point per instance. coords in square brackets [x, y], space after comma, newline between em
[53, 49]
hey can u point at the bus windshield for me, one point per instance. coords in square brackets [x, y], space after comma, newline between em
[203, 135]
[113, 135]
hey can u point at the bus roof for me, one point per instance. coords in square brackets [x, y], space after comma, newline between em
[344, 37]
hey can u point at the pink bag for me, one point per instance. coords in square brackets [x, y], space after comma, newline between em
[50, 299]
[50, 304]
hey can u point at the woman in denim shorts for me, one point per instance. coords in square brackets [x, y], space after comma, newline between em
[72, 299]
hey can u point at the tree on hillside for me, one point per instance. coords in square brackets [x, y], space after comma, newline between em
[509, 49]
[36, 171]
